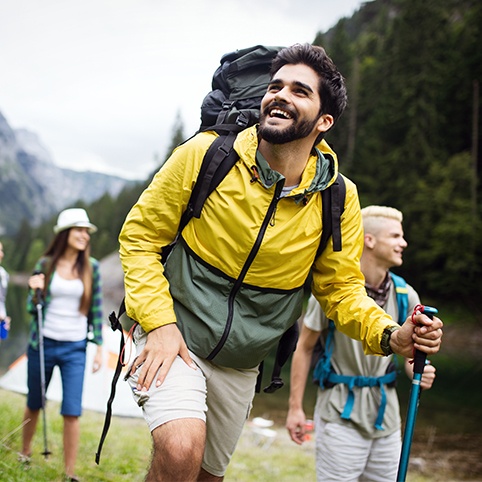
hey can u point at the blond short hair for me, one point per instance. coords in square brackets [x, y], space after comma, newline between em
[373, 216]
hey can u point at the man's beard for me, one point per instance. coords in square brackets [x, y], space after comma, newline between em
[276, 135]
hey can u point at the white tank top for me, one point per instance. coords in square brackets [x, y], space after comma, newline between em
[63, 321]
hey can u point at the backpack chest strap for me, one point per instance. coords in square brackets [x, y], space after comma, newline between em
[361, 381]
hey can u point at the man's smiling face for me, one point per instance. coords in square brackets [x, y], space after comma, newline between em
[290, 109]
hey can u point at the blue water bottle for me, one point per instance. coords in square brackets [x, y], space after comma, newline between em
[3, 330]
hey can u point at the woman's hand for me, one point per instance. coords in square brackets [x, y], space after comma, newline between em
[37, 282]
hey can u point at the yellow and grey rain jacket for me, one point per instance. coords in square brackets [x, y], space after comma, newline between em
[234, 281]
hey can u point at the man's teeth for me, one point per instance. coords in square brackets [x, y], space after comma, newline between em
[280, 113]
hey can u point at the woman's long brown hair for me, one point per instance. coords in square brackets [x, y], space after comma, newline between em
[82, 266]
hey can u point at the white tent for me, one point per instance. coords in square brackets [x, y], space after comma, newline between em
[97, 385]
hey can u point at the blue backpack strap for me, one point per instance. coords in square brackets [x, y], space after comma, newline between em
[360, 381]
[324, 374]
[402, 297]
[323, 366]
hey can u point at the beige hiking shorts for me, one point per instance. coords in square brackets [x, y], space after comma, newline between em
[222, 397]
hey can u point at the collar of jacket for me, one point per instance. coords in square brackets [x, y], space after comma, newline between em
[320, 171]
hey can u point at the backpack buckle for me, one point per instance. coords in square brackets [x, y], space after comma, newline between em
[276, 384]
[227, 104]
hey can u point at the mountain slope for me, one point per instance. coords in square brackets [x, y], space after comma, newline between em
[33, 188]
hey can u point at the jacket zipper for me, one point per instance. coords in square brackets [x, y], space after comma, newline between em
[252, 255]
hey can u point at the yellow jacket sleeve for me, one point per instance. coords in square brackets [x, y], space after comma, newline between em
[151, 225]
[339, 284]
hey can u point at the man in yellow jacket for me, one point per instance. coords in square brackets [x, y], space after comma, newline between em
[234, 282]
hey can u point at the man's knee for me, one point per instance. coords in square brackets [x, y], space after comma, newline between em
[180, 443]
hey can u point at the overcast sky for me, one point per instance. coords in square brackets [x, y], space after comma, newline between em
[101, 81]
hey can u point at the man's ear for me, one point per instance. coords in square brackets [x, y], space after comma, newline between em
[325, 122]
[370, 241]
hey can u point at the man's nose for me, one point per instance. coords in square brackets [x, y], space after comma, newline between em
[282, 94]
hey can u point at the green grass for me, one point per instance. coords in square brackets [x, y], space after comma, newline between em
[126, 452]
[125, 455]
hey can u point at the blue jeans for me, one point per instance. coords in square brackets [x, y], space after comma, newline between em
[69, 356]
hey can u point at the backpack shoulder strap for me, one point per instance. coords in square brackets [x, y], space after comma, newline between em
[333, 205]
[217, 162]
[402, 297]
[323, 366]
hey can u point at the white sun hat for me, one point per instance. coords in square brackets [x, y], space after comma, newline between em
[74, 218]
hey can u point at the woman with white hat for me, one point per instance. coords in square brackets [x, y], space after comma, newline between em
[68, 280]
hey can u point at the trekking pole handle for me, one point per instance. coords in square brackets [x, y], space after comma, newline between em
[420, 357]
[418, 365]
[38, 291]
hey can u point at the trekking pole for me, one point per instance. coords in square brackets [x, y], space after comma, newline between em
[415, 391]
[46, 451]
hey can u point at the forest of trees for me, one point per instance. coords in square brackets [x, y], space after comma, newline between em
[409, 139]
[410, 136]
